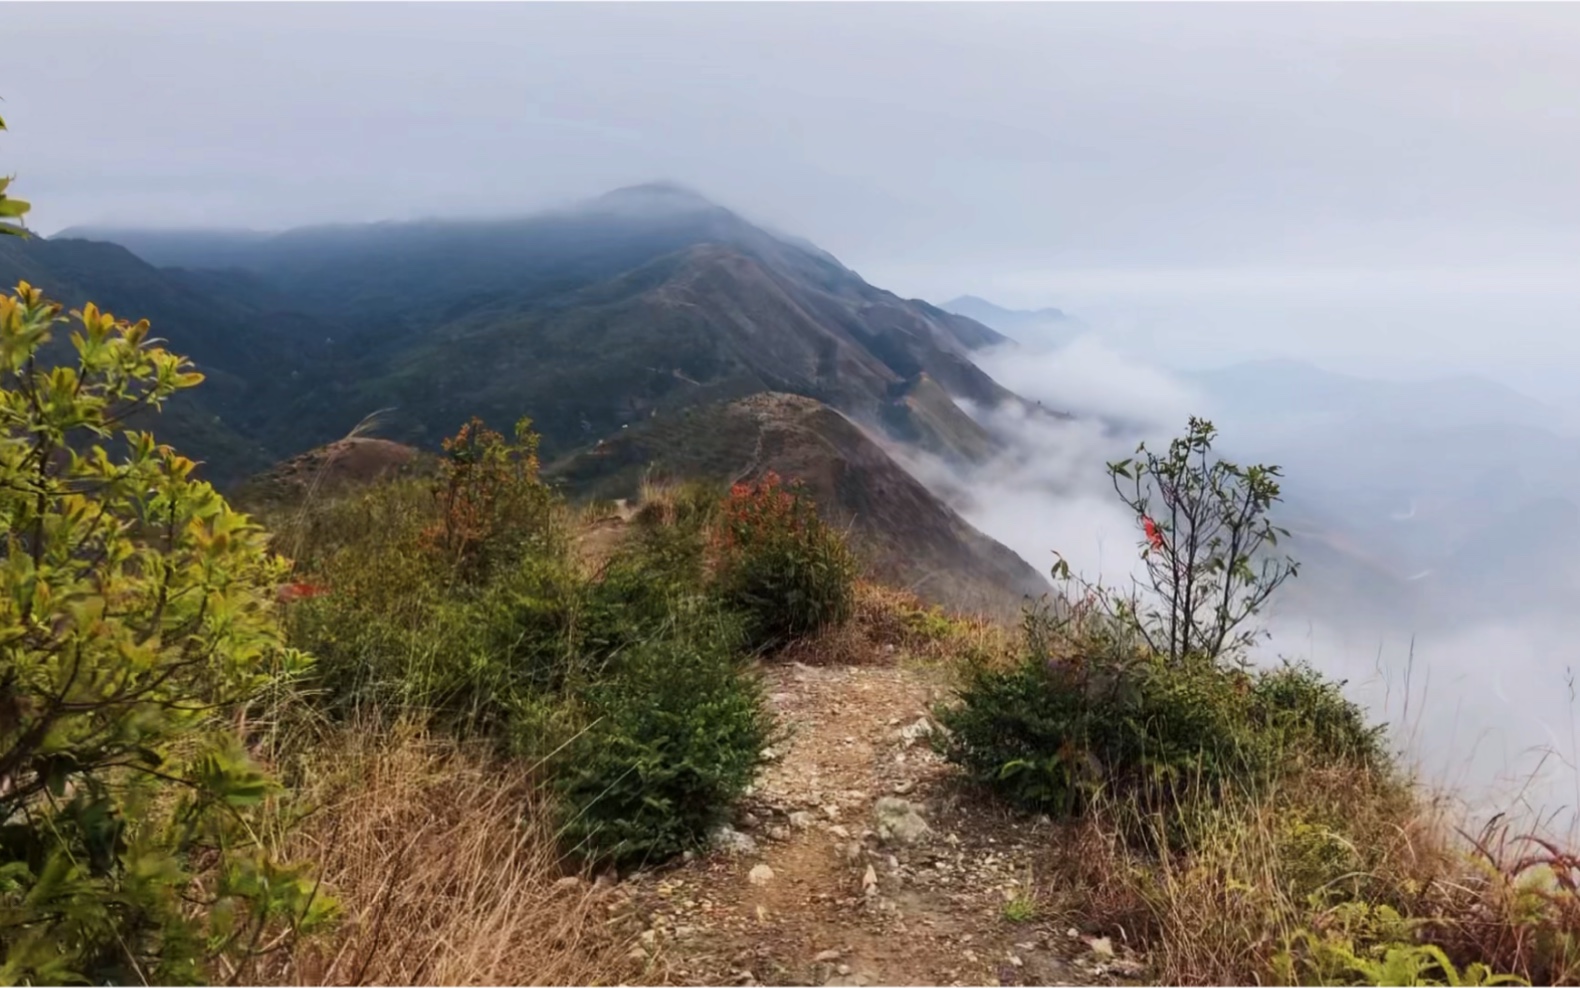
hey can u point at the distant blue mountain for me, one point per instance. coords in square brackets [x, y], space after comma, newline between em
[1027, 323]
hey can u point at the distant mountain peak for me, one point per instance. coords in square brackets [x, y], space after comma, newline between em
[653, 197]
[1011, 321]
[966, 304]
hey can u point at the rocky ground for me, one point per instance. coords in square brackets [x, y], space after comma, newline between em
[859, 859]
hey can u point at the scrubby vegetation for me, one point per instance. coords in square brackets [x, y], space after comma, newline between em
[1110, 720]
[1245, 823]
[462, 598]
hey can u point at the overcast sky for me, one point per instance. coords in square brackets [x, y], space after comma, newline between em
[1063, 153]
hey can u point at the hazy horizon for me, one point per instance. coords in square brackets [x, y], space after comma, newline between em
[1032, 154]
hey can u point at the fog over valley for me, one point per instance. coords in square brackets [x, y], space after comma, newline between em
[1434, 511]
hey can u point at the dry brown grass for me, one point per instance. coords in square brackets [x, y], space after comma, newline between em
[1220, 913]
[890, 625]
[1518, 908]
[445, 869]
[1285, 861]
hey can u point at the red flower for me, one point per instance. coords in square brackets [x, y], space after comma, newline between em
[1154, 535]
[292, 592]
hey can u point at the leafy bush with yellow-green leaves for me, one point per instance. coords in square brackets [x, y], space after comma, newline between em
[138, 619]
[11, 208]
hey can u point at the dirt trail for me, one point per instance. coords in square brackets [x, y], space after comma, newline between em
[806, 890]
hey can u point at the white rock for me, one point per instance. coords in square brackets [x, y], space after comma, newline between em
[915, 731]
[760, 875]
[869, 881]
[826, 957]
[899, 821]
[732, 841]
[801, 819]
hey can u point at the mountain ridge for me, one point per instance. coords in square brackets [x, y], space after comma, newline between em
[586, 317]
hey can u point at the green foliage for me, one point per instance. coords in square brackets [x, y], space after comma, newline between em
[1301, 711]
[626, 684]
[1020, 909]
[1051, 733]
[929, 624]
[136, 618]
[1207, 544]
[491, 502]
[675, 723]
[1109, 697]
[676, 735]
[11, 209]
[781, 565]
[1053, 730]
[404, 626]
[1361, 944]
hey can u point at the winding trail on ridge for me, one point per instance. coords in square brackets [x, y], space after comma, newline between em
[807, 892]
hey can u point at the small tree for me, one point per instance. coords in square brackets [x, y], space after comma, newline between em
[1207, 545]
[137, 620]
[489, 496]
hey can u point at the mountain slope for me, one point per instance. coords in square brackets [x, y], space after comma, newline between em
[911, 538]
[588, 319]
[254, 351]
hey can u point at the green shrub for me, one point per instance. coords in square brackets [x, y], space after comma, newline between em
[655, 579]
[781, 566]
[387, 632]
[138, 616]
[1151, 702]
[675, 734]
[454, 596]
[1298, 709]
[626, 685]
[11, 208]
[1051, 731]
